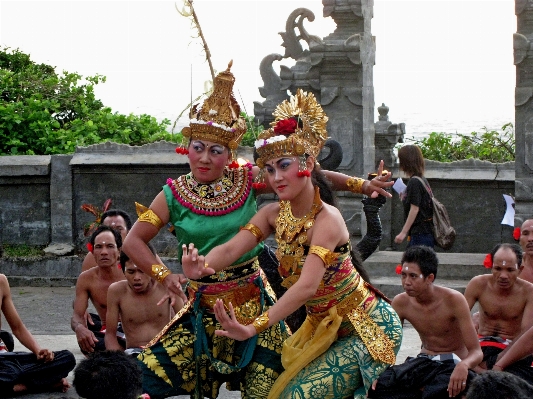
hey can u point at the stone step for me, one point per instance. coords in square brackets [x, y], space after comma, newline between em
[454, 266]
[392, 286]
[381, 266]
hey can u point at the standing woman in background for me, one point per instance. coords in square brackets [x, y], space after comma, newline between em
[416, 199]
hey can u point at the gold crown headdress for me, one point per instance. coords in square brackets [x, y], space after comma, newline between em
[299, 128]
[219, 119]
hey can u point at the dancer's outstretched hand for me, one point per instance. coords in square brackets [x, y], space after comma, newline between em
[232, 328]
[377, 185]
[194, 266]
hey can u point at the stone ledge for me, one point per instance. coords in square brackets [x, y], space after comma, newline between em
[25, 165]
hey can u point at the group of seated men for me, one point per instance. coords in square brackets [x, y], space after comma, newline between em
[455, 347]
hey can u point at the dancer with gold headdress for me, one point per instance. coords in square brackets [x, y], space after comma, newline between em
[351, 333]
[208, 206]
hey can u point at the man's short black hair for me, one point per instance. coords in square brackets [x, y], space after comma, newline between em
[108, 375]
[499, 384]
[513, 247]
[424, 257]
[117, 212]
[102, 228]
[124, 258]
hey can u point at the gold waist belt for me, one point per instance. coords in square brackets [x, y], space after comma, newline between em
[378, 344]
[245, 298]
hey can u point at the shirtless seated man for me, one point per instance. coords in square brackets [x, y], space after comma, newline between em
[39, 371]
[505, 307]
[440, 315]
[526, 243]
[93, 285]
[135, 302]
[118, 220]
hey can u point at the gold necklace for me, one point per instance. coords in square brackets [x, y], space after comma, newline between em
[291, 235]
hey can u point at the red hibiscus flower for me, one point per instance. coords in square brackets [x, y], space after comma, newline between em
[488, 261]
[286, 126]
[90, 247]
[398, 269]
[516, 233]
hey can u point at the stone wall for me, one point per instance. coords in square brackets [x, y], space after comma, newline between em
[41, 196]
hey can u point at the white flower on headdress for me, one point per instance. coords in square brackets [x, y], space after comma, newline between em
[213, 112]
[201, 122]
[262, 142]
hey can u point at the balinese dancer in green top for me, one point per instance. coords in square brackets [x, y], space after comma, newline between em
[351, 333]
[209, 206]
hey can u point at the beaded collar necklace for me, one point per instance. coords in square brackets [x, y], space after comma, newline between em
[291, 233]
[217, 198]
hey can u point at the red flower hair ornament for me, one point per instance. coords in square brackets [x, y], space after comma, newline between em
[488, 261]
[286, 126]
[398, 269]
[516, 233]
[90, 247]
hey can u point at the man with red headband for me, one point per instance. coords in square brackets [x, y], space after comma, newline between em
[505, 307]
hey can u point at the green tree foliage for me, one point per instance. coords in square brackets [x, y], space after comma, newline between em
[42, 112]
[492, 146]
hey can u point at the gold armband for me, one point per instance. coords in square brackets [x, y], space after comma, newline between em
[147, 215]
[261, 322]
[160, 272]
[256, 231]
[325, 254]
[355, 184]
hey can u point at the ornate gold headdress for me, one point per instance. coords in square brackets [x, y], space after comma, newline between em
[219, 119]
[299, 128]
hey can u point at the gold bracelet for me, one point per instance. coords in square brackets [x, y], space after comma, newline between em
[160, 272]
[150, 217]
[261, 323]
[256, 231]
[355, 184]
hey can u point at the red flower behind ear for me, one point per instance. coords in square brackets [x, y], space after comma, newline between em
[286, 126]
[516, 233]
[398, 269]
[90, 247]
[488, 261]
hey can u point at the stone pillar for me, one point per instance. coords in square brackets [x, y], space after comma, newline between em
[338, 70]
[388, 134]
[61, 213]
[523, 59]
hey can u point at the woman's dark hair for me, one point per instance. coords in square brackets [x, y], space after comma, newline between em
[357, 262]
[320, 180]
[411, 160]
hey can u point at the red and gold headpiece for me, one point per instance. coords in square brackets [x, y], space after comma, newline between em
[219, 119]
[299, 128]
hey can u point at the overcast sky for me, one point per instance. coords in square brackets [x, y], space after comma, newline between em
[436, 60]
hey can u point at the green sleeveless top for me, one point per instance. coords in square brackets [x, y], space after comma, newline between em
[210, 214]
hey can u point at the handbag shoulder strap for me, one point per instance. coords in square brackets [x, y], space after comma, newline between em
[425, 185]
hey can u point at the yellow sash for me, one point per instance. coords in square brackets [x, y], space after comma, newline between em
[306, 344]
